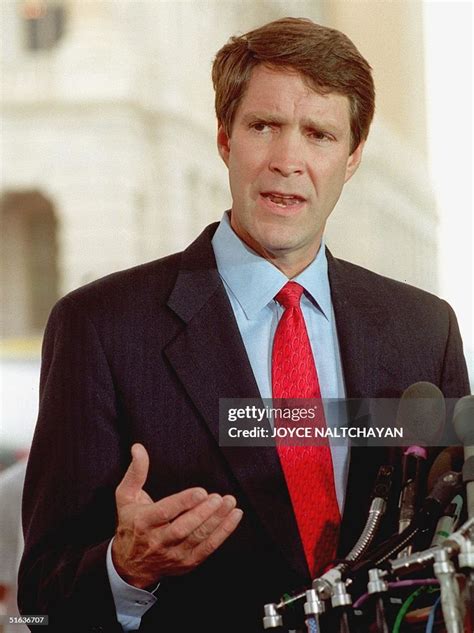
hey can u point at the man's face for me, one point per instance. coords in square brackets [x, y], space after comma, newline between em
[288, 157]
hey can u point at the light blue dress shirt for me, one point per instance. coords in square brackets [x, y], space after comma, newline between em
[251, 283]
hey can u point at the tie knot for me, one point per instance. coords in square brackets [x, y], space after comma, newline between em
[290, 295]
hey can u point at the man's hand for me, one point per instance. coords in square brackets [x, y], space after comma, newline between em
[168, 537]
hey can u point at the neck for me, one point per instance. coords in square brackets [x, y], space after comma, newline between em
[291, 264]
[291, 267]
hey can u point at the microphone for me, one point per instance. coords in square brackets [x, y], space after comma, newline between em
[421, 413]
[413, 461]
[458, 541]
[325, 584]
[323, 587]
[434, 505]
[450, 458]
[448, 522]
[463, 421]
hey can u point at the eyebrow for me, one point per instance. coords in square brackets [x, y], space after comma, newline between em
[261, 116]
[307, 122]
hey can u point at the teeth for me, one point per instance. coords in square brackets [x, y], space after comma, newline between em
[282, 201]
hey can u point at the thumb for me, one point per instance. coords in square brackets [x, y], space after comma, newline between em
[135, 477]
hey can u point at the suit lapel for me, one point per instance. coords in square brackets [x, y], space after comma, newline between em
[210, 360]
[359, 328]
[368, 356]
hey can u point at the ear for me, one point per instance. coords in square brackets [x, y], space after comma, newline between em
[353, 161]
[223, 143]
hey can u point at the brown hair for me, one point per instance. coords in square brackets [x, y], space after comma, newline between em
[325, 57]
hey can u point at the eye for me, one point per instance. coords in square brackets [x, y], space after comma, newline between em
[260, 126]
[320, 136]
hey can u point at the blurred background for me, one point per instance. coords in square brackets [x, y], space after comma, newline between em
[109, 158]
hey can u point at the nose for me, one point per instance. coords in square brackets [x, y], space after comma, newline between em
[286, 155]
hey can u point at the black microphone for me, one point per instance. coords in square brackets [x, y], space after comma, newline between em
[414, 458]
[450, 458]
[422, 414]
[433, 506]
[463, 421]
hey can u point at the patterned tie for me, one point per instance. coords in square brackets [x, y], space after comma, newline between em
[308, 469]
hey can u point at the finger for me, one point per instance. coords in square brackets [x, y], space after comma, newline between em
[135, 477]
[198, 523]
[169, 508]
[215, 540]
[203, 531]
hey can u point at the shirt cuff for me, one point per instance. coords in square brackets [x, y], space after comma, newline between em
[131, 603]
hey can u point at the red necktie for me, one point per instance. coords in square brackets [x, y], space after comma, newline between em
[308, 469]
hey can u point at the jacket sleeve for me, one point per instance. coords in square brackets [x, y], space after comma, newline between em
[454, 381]
[74, 466]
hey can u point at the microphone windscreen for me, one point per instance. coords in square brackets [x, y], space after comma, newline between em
[450, 459]
[463, 420]
[422, 414]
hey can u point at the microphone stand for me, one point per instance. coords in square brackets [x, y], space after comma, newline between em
[450, 595]
[322, 588]
[380, 620]
[377, 587]
[460, 543]
[446, 487]
[313, 608]
[341, 602]
[466, 563]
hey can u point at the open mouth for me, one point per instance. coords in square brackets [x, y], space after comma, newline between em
[283, 200]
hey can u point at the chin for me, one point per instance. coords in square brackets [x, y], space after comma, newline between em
[279, 247]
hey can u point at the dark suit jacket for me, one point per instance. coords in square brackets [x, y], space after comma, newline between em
[143, 356]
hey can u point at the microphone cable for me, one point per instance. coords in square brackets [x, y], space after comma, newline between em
[432, 615]
[407, 604]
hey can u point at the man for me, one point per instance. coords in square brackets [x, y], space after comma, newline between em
[198, 536]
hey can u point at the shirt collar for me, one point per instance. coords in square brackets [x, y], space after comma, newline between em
[254, 281]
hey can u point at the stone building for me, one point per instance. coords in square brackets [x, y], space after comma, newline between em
[108, 140]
